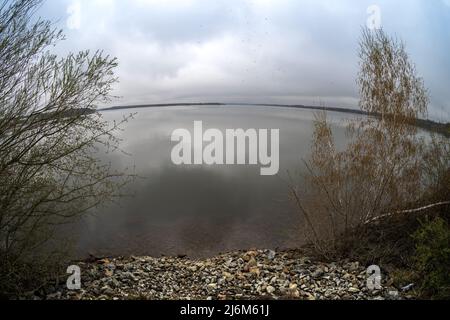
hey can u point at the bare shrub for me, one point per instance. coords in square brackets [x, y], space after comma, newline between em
[436, 168]
[49, 139]
[381, 171]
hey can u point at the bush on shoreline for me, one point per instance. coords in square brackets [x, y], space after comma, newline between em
[364, 202]
[50, 172]
[432, 258]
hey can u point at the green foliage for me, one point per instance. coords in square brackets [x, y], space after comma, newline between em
[432, 258]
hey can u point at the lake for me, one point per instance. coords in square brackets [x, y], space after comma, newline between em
[201, 210]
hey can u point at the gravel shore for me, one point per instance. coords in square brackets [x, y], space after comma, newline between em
[258, 274]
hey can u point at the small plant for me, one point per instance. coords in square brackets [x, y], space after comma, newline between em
[432, 258]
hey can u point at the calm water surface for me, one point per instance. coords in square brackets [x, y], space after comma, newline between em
[201, 210]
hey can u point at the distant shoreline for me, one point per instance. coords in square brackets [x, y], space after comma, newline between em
[429, 125]
[297, 106]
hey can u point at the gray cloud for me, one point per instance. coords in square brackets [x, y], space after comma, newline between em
[253, 50]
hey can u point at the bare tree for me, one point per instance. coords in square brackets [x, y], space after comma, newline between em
[50, 134]
[388, 81]
[381, 171]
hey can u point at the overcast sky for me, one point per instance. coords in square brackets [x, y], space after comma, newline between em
[259, 51]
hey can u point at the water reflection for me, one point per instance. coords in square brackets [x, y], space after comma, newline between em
[201, 210]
